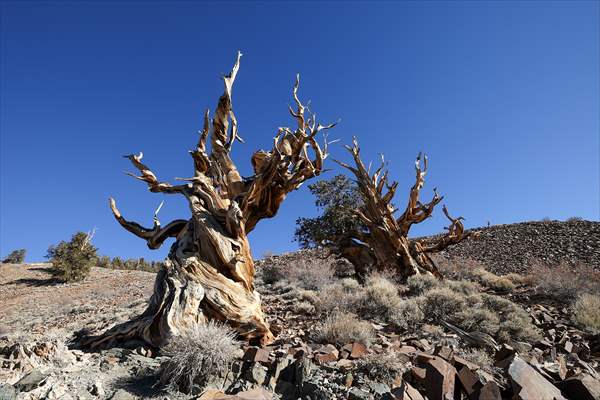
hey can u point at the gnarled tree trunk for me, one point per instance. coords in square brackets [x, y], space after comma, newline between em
[385, 243]
[209, 273]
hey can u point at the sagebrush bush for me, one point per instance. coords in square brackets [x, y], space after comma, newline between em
[564, 283]
[442, 303]
[515, 323]
[385, 367]
[73, 260]
[198, 356]
[15, 257]
[407, 315]
[382, 297]
[491, 280]
[345, 296]
[586, 313]
[419, 284]
[342, 328]
[463, 286]
[304, 307]
[304, 273]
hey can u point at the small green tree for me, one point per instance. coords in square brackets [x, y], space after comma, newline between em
[337, 198]
[15, 257]
[73, 260]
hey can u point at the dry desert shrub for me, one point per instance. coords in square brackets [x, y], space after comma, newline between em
[342, 328]
[442, 303]
[385, 367]
[304, 273]
[490, 280]
[419, 284]
[564, 283]
[345, 295]
[304, 307]
[15, 257]
[407, 315]
[199, 356]
[515, 323]
[382, 297]
[586, 313]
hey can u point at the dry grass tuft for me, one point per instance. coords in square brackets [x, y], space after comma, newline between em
[304, 307]
[343, 328]
[198, 357]
[304, 273]
[586, 313]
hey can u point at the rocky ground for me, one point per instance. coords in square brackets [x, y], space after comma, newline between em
[39, 317]
[518, 247]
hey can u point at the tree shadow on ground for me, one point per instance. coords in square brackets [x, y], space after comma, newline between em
[143, 385]
[36, 282]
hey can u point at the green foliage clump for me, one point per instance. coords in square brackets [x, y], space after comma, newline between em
[73, 260]
[15, 257]
[337, 197]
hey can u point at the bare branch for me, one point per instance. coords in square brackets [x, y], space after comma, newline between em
[148, 176]
[154, 237]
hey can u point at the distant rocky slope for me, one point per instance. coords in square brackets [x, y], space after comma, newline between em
[516, 247]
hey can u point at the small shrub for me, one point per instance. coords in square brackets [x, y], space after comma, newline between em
[407, 315]
[479, 357]
[462, 286]
[515, 323]
[478, 319]
[302, 295]
[73, 260]
[564, 283]
[346, 295]
[419, 284]
[433, 331]
[198, 356]
[343, 328]
[385, 367]
[492, 281]
[442, 303]
[15, 257]
[586, 313]
[382, 297]
[271, 273]
[304, 307]
[305, 273]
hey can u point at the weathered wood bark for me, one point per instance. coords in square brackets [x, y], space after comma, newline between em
[385, 244]
[209, 273]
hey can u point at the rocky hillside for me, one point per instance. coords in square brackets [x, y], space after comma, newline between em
[516, 247]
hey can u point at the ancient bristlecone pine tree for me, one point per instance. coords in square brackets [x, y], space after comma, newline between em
[383, 244]
[209, 272]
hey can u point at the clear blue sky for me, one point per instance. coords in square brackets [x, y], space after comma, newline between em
[503, 97]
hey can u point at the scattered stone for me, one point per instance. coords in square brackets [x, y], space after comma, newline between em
[257, 354]
[7, 392]
[122, 394]
[378, 388]
[256, 373]
[439, 380]
[406, 392]
[469, 381]
[32, 380]
[581, 387]
[358, 394]
[490, 391]
[529, 384]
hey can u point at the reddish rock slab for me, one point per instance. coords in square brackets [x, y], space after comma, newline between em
[528, 384]
[439, 380]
